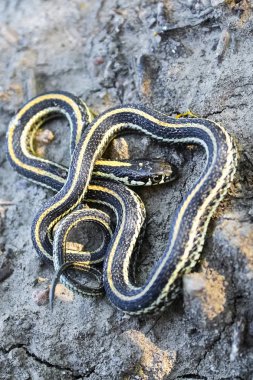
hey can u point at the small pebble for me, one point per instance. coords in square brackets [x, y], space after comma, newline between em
[222, 44]
[99, 60]
[43, 137]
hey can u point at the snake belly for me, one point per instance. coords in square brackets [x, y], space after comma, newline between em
[190, 220]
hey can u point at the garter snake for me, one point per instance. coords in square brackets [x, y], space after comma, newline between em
[22, 155]
[191, 218]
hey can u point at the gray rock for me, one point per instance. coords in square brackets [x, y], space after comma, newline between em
[172, 56]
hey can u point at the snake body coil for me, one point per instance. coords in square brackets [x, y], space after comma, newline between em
[191, 218]
[33, 115]
[22, 155]
[190, 222]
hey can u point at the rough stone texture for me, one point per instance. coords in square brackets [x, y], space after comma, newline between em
[174, 56]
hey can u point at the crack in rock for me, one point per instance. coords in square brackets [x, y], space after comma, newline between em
[74, 373]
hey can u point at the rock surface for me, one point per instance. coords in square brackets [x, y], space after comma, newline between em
[174, 56]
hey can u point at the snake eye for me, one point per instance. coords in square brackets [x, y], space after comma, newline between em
[157, 178]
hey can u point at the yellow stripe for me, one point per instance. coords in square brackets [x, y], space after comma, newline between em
[113, 163]
[54, 96]
[195, 224]
[175, 229]
[21, 113]
[19, 163]
[27, 131]
[83, 219]
[99, 148]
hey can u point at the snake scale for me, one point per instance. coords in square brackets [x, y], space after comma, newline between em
[190, 220]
